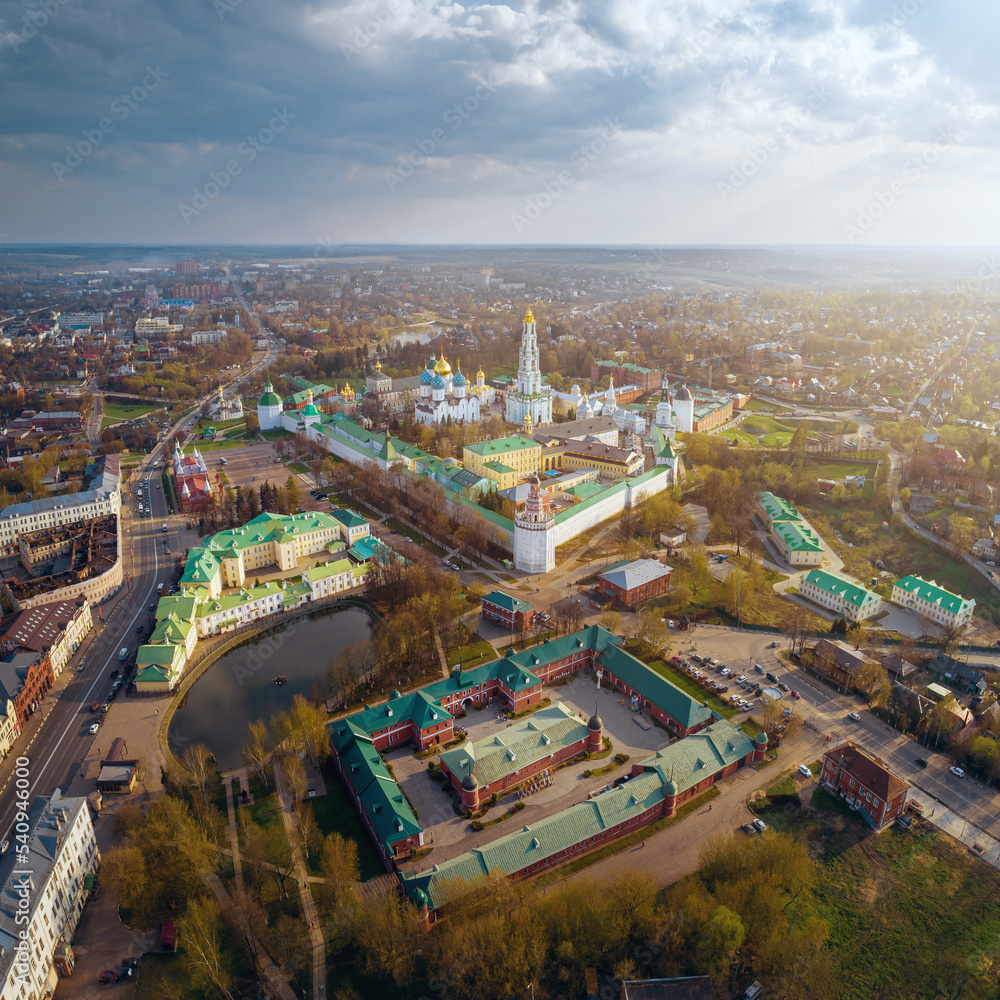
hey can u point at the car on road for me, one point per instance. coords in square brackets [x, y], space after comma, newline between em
[95, 729]
[783, 686]
[921, 762]
[854, 717]
[796, 695]
[772, 645]
[80, 667]
[957, 771]
[804, 771]
[758, 668]
[759, 825]
[773, 678]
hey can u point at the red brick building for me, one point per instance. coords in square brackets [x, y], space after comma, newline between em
[192, 481]
[865, 783]
[630, 583]
[509, 612]
[25, 677]
[626, 373]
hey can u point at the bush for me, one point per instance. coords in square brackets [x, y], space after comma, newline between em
[518, 806]
[431, 765]
[477, 825]
[620, 758]
[493, 799]
[588, 773]
[480, 706]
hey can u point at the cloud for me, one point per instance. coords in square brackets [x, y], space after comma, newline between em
[694, 84]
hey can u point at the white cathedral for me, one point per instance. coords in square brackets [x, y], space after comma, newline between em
[529, 395]
[446, 395]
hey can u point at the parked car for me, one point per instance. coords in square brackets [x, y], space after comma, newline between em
[670, 623]
[773, 678]
[772, 645]
[783, 686]
[759, 825]
[804, 771]
[921, 762]
[741, 678]
[95, 729]
[758, 668]
[957, 771]
[107, 976]
[796, 695]
[747, 828]
[854, 717]
[725, 671]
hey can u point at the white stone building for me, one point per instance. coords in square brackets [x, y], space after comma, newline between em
[43, 895]
[529, 394]
[444, 396]
[269, 409]
[534, 533]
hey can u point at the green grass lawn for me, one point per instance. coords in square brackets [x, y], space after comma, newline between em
[839, 470]
[302, 470]
[779, 439]
[737, 436]
[116, 412]
[688, 684]
[765, 425]
[472, 655]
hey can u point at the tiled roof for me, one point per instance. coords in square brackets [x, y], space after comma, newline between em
[777, 508]
[796, 537]
[500, 446]
[868, 771]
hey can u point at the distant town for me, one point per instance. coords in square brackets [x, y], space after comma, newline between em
[583, 620]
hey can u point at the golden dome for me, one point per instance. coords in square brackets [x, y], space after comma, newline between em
[480, 374]
[442, 367]
[348, 392]
[378, 365]
[528, 317]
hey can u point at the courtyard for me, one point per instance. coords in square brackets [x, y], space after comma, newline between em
[450, 834]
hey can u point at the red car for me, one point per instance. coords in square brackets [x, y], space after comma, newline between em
[95, 706]
[107, 976]
[796, 695]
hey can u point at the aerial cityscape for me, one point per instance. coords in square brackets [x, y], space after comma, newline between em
[499, 501]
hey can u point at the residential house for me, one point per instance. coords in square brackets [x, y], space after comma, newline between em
[865, 783]
[838, 661]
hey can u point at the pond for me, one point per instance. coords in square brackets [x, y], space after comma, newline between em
[422, 336]
[238, 688]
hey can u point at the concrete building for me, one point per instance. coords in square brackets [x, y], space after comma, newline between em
[443, 397]
[839, 594]
[930, 601]
[44, 878]
[789, 532]
[534, 533]
[865, 783]
[839, 662]
[519, 453]
[626, 373]
[118, 772]
[269, 408]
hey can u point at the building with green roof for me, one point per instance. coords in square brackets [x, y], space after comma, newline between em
[510, 612]
[797, 543]
[773, 509]
[520, 453]
[655, 789]
[945, 609]
[841, 595]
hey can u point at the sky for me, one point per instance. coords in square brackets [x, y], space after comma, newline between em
[866, 122]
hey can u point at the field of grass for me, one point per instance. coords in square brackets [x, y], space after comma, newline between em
[765, 425]
[779, 439]
[736, 436]
[688, 684]
[335, 813]
[756, 405]
[126, 411]
[302, 470]
[838, 470]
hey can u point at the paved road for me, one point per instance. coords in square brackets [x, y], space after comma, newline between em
[62, 741]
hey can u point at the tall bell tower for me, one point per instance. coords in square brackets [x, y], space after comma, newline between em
[534, 533]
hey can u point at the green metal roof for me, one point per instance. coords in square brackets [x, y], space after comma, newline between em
[693, 758]
[507, 602]
[679, 705]
[797, 537]
[840, 586]
[777, 508]
[929, 590]
[500, 446]
[542, 734]
[159, 656]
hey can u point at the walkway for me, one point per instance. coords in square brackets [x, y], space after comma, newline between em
[275, 982]
[309, 913]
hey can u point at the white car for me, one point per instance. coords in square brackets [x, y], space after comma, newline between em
[670, 623]
[726, 672]
[804, 771]
[854, 717]
[741, 678]
[957, 771]
[95, 729]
